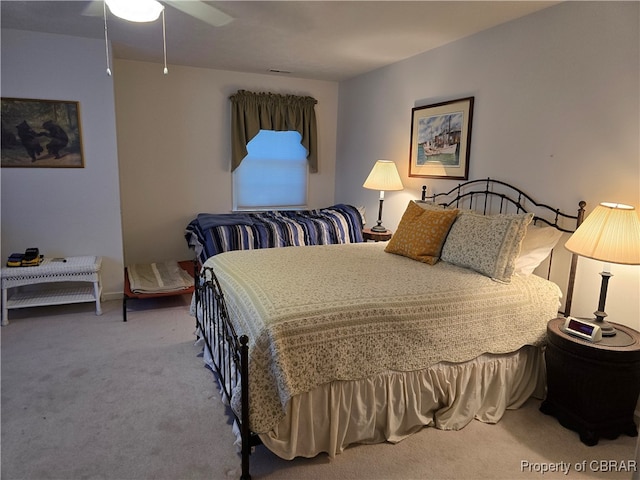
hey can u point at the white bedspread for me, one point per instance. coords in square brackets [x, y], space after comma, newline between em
[346, 312]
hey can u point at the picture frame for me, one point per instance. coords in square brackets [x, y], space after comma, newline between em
[41, 134]
[440, 140]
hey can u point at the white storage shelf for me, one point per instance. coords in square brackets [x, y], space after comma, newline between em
[52, 283]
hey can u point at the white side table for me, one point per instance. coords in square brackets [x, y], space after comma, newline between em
[57, 275]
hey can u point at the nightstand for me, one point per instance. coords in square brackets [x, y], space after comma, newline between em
[369, 234]
[593, 388]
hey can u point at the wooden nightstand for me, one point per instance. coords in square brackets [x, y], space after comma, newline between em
[368, 234]
[593, 388]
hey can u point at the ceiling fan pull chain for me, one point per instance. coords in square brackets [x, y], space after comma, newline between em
[106, 38]
[164, 43]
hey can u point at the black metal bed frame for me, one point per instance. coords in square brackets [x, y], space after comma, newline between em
[230, 351]
[478, 195]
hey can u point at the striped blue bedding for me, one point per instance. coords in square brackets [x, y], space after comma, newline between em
[209, 234]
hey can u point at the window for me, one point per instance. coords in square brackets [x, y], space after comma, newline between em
[273, 175]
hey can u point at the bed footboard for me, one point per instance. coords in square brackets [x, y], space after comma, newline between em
[228, 352]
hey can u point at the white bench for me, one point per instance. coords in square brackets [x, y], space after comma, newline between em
[57, 275]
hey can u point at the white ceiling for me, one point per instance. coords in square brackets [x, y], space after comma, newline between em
[324, 40]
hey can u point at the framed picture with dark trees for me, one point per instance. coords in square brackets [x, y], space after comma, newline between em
[41, 134]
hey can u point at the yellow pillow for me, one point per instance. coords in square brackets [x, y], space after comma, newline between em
[421, 233]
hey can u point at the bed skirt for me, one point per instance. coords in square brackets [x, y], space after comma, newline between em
[446, 396]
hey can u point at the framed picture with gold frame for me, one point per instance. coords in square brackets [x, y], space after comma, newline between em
[41, 133]
[440, 140]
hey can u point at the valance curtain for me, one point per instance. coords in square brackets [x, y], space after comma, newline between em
[252, 112]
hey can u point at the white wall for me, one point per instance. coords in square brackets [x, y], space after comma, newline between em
[65, 211]
[175, 150]
[556, 113]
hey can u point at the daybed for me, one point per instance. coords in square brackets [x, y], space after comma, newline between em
[320, 347]
[210, 234]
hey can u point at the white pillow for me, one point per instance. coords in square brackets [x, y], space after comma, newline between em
[536, 247]
[362, 211]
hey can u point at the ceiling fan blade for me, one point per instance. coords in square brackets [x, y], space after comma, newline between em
[93, 9]
[201, 11]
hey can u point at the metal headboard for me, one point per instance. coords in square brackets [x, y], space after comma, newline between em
[490, 196]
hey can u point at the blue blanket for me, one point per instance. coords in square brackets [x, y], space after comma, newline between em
[211, 220]
[210, 234]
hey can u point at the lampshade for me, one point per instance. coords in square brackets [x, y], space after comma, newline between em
[611, 233]
[384, 176]
[136, 10]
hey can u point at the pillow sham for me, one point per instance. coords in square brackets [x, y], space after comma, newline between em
[536, 247]
[421, 233]
[428, 205]
[488, 244]
[363, 213]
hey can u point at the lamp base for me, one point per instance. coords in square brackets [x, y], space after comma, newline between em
[378, 228]
[607, 329]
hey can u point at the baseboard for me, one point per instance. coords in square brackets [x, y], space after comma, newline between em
[111, 296]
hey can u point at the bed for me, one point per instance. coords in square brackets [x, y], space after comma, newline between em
[320, 347]
[210, 234]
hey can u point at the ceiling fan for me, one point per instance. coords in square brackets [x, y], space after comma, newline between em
[201, 10]
[149, 11]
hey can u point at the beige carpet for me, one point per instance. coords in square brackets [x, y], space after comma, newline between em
[88, 397]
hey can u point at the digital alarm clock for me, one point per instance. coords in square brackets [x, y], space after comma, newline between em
[583, 329]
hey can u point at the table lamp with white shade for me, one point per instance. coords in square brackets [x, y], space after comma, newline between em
[610, 234]
[384, 176]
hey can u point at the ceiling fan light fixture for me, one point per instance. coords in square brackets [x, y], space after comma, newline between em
[136, 10]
